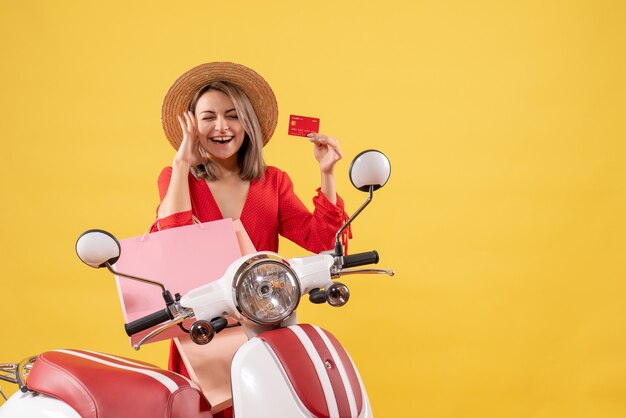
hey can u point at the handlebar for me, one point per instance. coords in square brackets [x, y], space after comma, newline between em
[147, 321]
[360, 259]
[348, 261]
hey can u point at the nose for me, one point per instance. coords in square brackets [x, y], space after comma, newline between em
[221, 124]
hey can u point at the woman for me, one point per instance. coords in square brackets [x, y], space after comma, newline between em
[218, 116]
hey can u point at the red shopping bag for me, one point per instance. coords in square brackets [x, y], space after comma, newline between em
[181, 258]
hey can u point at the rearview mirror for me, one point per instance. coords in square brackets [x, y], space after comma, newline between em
[96, 248]
[369, 171]
[370, 168]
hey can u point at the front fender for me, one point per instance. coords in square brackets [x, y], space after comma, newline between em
[297, 371]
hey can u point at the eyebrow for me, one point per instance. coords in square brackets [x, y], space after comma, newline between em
[210, 111]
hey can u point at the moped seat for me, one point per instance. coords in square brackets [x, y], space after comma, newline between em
[99, 385]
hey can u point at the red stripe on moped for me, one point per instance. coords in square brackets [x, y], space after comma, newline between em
[330, 363]
[315, 370]
[299, 368]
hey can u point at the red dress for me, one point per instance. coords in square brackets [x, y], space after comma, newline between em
[271, 209]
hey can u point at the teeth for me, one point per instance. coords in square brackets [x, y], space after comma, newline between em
[221, 139]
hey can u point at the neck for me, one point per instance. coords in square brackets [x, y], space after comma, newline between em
[227, 168]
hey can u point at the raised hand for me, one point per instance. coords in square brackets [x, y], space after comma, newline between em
[190, 151]
[326, 151]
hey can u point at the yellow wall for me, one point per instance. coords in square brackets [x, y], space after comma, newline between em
[504, 216]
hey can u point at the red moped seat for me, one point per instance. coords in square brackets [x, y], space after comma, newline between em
[98, 385]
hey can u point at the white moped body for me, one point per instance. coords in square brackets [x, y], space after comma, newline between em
[303, 376]
[284, 370]
[35, 405]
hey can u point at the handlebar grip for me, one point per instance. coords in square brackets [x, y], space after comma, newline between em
[148, 321]
[219, 323]
[360, 259]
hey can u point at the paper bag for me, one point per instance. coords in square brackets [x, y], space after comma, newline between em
[209, 365]
[181, 258]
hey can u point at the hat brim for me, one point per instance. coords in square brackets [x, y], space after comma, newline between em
[179, 96]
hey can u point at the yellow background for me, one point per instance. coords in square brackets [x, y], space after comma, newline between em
[504, 215]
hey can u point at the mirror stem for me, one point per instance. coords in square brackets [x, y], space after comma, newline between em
[338, 246]
[128, 276]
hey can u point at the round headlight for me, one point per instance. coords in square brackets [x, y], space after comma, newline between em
[266, 290]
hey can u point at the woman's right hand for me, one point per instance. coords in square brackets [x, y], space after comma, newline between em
[189, 151]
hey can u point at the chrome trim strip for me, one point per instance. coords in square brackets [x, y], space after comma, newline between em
[23, 369]
[7, 372]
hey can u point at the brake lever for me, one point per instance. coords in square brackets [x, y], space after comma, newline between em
[178, 319]
[363, 271]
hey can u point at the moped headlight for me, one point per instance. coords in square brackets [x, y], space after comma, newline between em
[266, 290]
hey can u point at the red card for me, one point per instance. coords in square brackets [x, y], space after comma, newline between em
[303, 125]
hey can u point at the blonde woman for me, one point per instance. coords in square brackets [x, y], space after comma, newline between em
[218, 116]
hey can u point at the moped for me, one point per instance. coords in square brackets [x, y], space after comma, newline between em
[284, 369]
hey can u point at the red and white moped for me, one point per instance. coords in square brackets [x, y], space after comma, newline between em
[284, 369]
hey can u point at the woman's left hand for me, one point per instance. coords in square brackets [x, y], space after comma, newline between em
[326, 151]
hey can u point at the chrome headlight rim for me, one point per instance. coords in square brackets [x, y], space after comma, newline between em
[252, 263]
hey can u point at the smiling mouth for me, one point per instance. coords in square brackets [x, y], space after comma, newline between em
[221, 139]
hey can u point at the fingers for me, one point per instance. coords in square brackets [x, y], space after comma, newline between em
[191, 121]
[188, 125]
[203, 154]
[321, 140]
[183, 125]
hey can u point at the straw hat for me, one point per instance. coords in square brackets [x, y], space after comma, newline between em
[178, 97]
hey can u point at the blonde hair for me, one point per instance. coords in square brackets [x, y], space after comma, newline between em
[250, 155]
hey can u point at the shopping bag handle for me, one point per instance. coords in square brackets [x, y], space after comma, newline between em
[156, 222]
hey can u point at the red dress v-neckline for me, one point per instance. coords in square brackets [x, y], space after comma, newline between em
[216, 208]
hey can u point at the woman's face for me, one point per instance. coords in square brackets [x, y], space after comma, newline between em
[219, 130]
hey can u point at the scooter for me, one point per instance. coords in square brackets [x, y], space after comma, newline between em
[285, 369]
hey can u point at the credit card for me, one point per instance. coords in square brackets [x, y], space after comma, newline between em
[303, 125]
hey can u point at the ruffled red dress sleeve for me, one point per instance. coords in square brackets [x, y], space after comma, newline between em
[313, 231]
